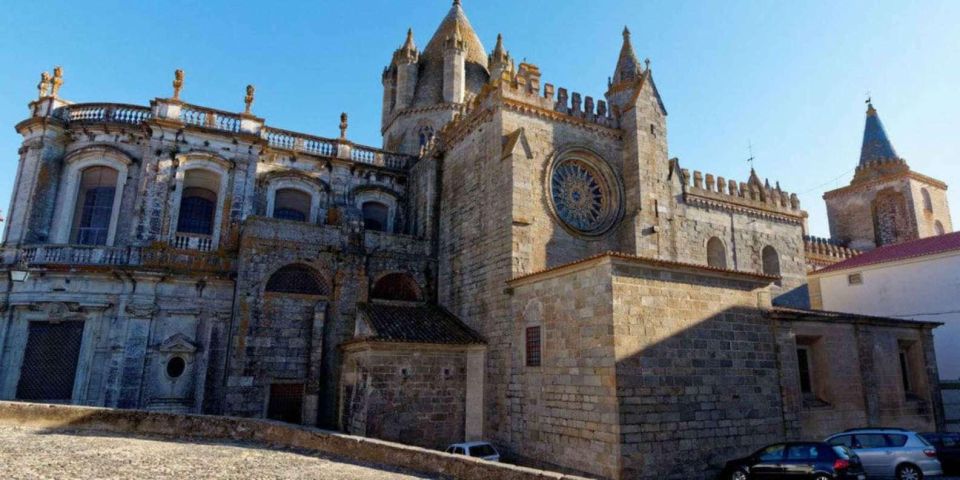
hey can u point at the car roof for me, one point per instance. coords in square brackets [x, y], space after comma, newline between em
[470, 444]
[878, 429]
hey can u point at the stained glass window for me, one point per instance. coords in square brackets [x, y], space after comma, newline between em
[582, 197]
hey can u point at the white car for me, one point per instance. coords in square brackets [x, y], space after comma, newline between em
[475, 449]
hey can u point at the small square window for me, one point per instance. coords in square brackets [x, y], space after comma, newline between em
[855, 279]
[533, 346]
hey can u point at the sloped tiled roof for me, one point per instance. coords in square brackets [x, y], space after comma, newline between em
[876, 146]
[416, 324]
[900, 251]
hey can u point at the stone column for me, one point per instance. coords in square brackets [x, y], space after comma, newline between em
[311, 398]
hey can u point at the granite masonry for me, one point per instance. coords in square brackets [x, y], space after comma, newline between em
[519, 263]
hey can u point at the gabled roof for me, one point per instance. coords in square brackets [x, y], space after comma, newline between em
[901, 251]
[876, 146]
[419, 323]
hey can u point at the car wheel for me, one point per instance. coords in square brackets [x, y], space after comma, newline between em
[909, 472]
[738, 475]
[821, 477]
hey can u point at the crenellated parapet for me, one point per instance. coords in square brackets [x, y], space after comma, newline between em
[717, 191]
[823, 252]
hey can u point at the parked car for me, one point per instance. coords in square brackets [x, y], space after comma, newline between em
[890, 452]
[796, 460]
[475, 449]
[948, 450]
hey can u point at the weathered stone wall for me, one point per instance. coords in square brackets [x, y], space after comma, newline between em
[856, 377]
[411, 393]
[894, 203]
[129, 335]
[697, 378]
[348, 261]
[564, 413]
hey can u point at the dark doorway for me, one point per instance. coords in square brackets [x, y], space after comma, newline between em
[286, 400]
[50, 361]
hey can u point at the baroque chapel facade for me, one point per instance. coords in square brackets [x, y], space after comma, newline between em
[519, 263]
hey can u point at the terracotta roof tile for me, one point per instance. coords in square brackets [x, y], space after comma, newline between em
[900, 251]
[416, 324]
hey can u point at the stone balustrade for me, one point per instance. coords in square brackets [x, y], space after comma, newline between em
[147, 257]
[105, 113]
[213, 119]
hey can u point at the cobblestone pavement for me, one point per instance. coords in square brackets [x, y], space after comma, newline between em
[36, 454]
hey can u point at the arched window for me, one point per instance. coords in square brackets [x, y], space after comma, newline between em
[292, 204]
[771, 261]
[91, 221]
[396, 286]
[938, 227]
[927, 202]
[198, 202]
[299, 279]
[716, 253]
[425, 135]
[375, 216]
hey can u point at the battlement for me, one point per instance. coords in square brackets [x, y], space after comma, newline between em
[524, 85]
[823, 252]
[751, 194]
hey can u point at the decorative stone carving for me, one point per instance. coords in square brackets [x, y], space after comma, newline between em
[44, 84]
[177, 343]
[248, 100]
[57, 81]
[177, 84]
[143, 310]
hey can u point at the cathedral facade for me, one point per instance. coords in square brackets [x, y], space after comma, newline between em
[518, 262]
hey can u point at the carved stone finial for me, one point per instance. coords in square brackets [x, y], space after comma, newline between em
[177, 83]
[343, 126]
[57, 81]
[248, 100]
[44, 84]
[646, 61]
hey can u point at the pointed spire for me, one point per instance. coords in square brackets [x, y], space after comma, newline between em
[408, 44]
[876, 146]
[628, 66]
[407, 53]
[499, 60]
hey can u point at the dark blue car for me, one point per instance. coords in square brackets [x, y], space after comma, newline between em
[796, 461]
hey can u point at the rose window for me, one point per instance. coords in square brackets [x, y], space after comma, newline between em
[582, 197]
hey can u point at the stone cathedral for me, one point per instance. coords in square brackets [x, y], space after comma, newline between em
[517, 262]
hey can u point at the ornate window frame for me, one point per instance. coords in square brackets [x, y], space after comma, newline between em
[212, 164]
[380, 196]
[75, 163]
[315, 192]
[601, 171]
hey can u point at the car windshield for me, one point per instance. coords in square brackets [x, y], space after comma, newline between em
[482, 451]
[922, 440]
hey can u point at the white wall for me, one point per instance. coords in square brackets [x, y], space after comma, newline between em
[923, 289]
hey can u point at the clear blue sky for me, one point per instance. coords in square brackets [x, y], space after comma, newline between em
[790, 77]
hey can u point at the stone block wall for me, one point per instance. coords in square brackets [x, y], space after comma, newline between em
[564, 413]
[410, 393]
[697, 376]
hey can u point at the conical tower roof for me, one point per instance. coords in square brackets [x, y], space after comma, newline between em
[628, 66]
[876, 146]
[430, 84]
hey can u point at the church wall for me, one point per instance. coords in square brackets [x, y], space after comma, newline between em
[540, 238]
[564, 413]
[265, 352]
[697, 376]
[474, 254]
[129, 336]
[744, 237]
[926, 219]
[410, 393]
